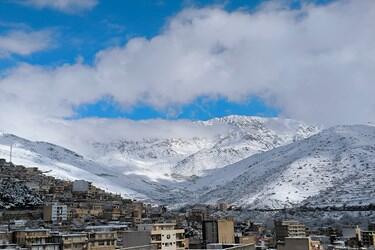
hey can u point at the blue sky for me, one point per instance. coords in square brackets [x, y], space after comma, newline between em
[67, 60]
[109, 23]
[112, 23]
[77, 36]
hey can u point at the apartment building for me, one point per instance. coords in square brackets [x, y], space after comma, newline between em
[299, 243]
[368, 238]
[289, 228]
[218, 231]
[77, 241]
[55, 213]
[37, 239]
[165, 235]
[104, 240]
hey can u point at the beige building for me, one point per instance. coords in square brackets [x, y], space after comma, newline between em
[105, 240]
[37, 239]
[165, 236]
[246, 239]
[84, 212]
[289, 228]
[299, 243]
[28, 237]
[74, 241]
[218, 231]
[137, 210]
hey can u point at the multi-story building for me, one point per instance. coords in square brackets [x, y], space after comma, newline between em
[137, 210]
[198, 213]
[112, 211]
[289, 228]
[368, 238]
[299, 243]
[165, 235]
[104, 240]
[38, 239]
[55, 213]
[218, 231]
[77, 241]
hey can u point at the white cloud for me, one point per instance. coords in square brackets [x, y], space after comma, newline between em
[68, 6]
[316, 64]
[24, 42]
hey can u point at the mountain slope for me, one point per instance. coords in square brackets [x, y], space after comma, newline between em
[334, 167]
[65, 164]
[232, 138]
[157, 168]
[246, 136]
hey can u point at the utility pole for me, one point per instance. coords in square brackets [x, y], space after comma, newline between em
[10, 153]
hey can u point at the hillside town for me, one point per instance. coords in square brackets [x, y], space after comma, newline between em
[42, 212]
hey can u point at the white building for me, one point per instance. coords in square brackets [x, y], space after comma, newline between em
[55, 213]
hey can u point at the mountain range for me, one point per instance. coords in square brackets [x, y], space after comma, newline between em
[247, 161]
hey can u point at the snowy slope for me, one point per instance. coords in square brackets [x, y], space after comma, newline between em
[151, 157]
[65, 164]
[334, 167]
[237, 137]
[157, 168]
[246, 136]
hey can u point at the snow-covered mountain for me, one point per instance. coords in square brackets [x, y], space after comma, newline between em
[255, 162]
[246, 136]
[237, 137]
[334, 167]
[161, 168]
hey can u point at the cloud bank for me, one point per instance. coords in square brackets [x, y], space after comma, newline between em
[316, 64]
